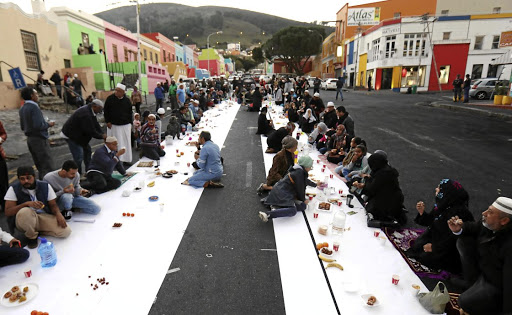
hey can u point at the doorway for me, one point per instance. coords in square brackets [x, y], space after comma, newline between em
[387, 75]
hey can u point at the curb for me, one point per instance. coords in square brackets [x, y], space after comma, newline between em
[477, 111]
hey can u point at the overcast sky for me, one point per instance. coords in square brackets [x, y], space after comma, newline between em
[306, 11]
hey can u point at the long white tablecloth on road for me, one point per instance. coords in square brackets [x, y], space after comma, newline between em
[369, 263]
[134, 258]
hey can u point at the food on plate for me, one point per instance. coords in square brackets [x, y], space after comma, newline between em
[324, 206]
[335, 265]
[416, 287]
[320, 245]
[371, 300]
[132, 215]
[172, 172]
[333, 200]
[25, 289]
[322, 229]
[23, 298]
[326, 251]
[328, 260]
[158, 173]
[311, 194]
[7, 294]
[15, 289]
[153, 198]
[13, 298]
[151, 184]
[116, 225]
[124, 214]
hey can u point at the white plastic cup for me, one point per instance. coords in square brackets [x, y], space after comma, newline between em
[162, 207]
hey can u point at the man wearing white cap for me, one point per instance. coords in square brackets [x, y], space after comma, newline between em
[118, 116]
[78, 85]
[78, 131]
[330, 117]
[159, 118]
[485, 250]
[105, 159]
[317, 104]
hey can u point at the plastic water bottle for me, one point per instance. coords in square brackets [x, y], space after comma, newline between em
[189, 127]
[47, 252]
[338, 222]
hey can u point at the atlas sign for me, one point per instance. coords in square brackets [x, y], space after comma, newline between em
[363, 16]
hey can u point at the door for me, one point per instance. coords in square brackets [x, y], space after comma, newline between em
[387, 76]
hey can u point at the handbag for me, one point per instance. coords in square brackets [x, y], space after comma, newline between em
[436, 300]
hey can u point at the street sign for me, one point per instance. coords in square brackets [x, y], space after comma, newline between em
[17, 78]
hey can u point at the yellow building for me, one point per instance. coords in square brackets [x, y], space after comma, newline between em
[149, 50]
[176, 69]
[30, 42]
[329, 56]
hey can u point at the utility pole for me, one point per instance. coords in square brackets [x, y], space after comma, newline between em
[424, 20]
[356, 73]
[139, 55]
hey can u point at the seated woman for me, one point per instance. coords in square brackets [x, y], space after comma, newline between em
[335, 146]
[436, 248]
[150, 144]
[354, 142]
[385, 198]
[281, 163]
[292, 113]
[274, 139]
[265, 126]
[308, 121]
[318, 135]
[357, 164]
[289, 194]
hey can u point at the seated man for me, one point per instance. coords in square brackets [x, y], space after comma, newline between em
[289, 194]
[274, 139]
[12, 254]
[182, 118]
[66, 184]
[34, 206]
[485, 250]
[208, 160]
[103, 162]
[150, 142]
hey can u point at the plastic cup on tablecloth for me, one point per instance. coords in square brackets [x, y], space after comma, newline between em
[315, 214]
[340, 191]
[310, 197]
[188, 164]
[162, 207]
[336, 245]
[376, 233]
[317, 161]
[395, 279]
[177, 151]
[331, 176]
[323, 166]
[415, 290]
[323, 170]
[382, 240]
[340, 203]
[28, 273]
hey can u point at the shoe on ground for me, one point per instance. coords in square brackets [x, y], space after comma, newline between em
[260, 189]
[270, 150]
[67, 214]
[263, 216]
[214, 185]
[32, 243]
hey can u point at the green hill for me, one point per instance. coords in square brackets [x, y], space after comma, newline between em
[173, 19]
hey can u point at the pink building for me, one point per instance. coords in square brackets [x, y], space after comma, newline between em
[120, 45]
[156, 73]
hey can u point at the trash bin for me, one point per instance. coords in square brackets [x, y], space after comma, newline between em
[414, 89]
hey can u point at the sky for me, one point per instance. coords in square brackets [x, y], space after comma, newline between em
[307, 11]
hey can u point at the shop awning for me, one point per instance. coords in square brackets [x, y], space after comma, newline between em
[504, 59]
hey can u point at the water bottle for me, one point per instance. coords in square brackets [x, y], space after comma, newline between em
[189, 127]
[47, 252]
[338, 222]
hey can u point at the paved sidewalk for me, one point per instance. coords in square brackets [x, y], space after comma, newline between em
[499, 112]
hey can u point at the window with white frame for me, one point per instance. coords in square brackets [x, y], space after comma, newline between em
[390, 46]
[446, 35]
[29, 41]
[495, 42]
[414, 45]
[479, 41]
[445, 12]
[376, 49]
[496, 10]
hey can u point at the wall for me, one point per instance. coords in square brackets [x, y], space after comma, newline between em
[51, 55]
[9, 97]
[86, 75]
[97, 63]
[178, 50]
[461, 7]
[121, 38]
[156, 73]
[166, 45]
[151, 53]
[176, 69]
[214, 66]
[454, 55]
[75, 36]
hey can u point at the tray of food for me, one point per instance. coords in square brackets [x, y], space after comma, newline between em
[324, 206]
[145, 164]
[19, 295]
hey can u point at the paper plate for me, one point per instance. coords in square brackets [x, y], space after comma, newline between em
[33, 290]
[365, 298]
[153, 198]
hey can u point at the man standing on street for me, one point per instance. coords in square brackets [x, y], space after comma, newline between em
[78, 85]
[56, 79]
[118, 116]
[78, 131]
[172, 95]
[36, 129]
[4, 175]
[316, 85]
[370, 82]
[136, 99]
[180, 95]
[467, 86]
[339, 87]
[159, 96]
[457, 89]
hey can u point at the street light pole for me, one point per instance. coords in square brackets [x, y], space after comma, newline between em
[208, 48]
[139, 56]
[356, 73]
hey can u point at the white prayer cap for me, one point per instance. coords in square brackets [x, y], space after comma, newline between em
[306, 91]
[97, 102]
[196, 101]
[330, 104]
[76, 75]
[121, 86]
[503, 204]
[168, 108]
[152, 116]
[316, 94]
[292, 90]
[111, 139]
[160, 111]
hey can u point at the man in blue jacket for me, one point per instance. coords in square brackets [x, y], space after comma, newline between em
[103, 163]
[36, 129]
[209, 162]
[159, 96]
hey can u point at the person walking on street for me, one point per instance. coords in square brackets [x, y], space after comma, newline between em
[369, 83]
[457, 89]
[339, 87]
[4, 175]
[180, 95]
[78, 131]
[56, 79]
[159, 96]
[136, 99]
[467, 86]
[36, 129]
[316, 85]
[118, 116]
[78, 85]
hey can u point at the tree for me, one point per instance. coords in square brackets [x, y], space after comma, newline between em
[257, 55]
[295, 45]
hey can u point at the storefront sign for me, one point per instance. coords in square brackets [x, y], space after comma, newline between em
[506, 39]
[391, 30]
[363, 16]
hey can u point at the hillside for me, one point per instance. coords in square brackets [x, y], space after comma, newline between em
[173, 19]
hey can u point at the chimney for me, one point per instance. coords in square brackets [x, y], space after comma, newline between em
[38, 7]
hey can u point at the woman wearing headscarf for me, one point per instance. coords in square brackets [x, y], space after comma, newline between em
[274, 139]
[281, 163]
[256, 101]
[318, 135]
[265, 126]
[436, 248]
[336, 144]
[385, 198]
[308, 121]
[289, 194]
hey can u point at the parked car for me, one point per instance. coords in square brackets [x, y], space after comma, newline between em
[247, 82]
[329, 84]
[484, 88]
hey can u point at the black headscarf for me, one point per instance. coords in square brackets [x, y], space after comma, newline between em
[377, 161]
[450, 193]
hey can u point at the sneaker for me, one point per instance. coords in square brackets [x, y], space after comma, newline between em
[263, 216]
[32, 243]
[67, 214]
[260, 189]
[215, 185]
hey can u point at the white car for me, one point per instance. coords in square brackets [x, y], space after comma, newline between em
[329, 84]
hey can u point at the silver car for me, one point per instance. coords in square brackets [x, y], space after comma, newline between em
[483, 88]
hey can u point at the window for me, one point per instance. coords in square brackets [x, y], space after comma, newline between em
[476, 73]
[479, 40]
[495, 42]
[396, 15]
[151, 56]
[491, 83]
[496, 10]
[114, 50]
[67, 63]
[444, 74]
[145, 55]
[375, 49]
[446, 35]
[390, 46]
[412, 76]
[165, 57]
[29, 41]
[126, 54]
[414, 45]
[173, 58]
[156, 58]
[445, 12]
[169, 56]
[492, 71]
[150, 69]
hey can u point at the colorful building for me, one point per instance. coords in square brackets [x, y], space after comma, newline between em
[167, 46]
[209, 59]
[329, 48]
[150, 50]
[121, 45]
